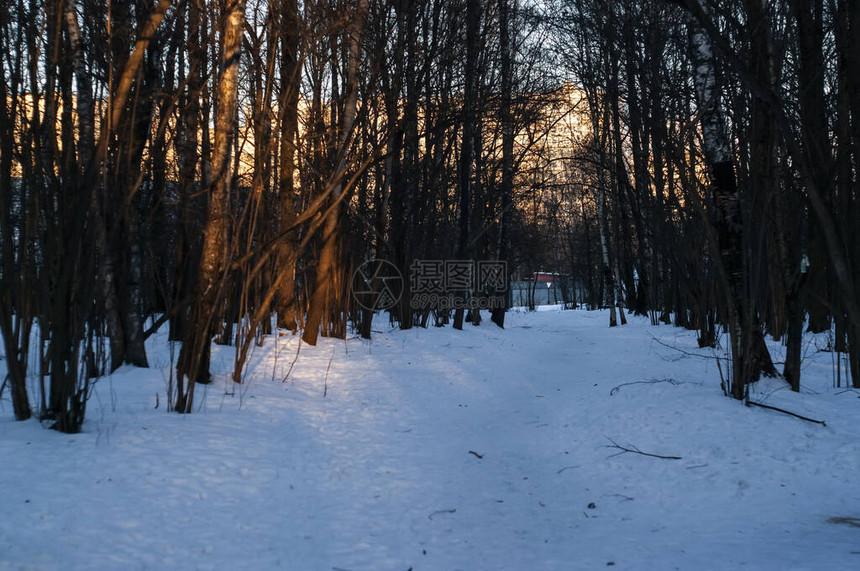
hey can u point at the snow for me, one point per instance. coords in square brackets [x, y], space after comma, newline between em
[443, 449]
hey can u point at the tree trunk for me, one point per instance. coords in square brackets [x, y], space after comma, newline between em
[188, 158]
[16, 298]
[193, 362]
[473, 22]
[289, 100]
[329, 279]
[507, 184]
[607, 268]
[726, 200]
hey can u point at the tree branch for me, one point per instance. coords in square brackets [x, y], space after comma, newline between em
[635, 450]
[788, 412]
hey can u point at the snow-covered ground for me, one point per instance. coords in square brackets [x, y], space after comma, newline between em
[439, 449]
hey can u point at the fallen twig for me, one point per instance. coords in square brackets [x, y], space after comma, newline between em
[648, 382]
[690, 353]
[723, 384]
[852, 521]
[293, 364]
[437, 512]
[635, 450]
[476, 454]
[852, 391]
[622, 496]
[325, 380]
[788, 412]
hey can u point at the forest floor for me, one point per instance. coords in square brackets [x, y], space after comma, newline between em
[443, 449]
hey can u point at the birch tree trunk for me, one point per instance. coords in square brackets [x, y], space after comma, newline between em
[329, 278]
[608, 273]
[726, 199]
[193, 363]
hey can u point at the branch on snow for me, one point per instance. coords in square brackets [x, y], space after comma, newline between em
[635, 450]
[788, 412]
[690, 353]
[648, 382]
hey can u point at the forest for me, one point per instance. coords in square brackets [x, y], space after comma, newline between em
[223, 168]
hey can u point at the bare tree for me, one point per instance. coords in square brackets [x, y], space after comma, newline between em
[193, 364]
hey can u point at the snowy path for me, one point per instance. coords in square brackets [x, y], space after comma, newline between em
[438, 449]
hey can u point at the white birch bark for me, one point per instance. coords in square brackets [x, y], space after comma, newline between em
[705, 80]
[194, 356]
